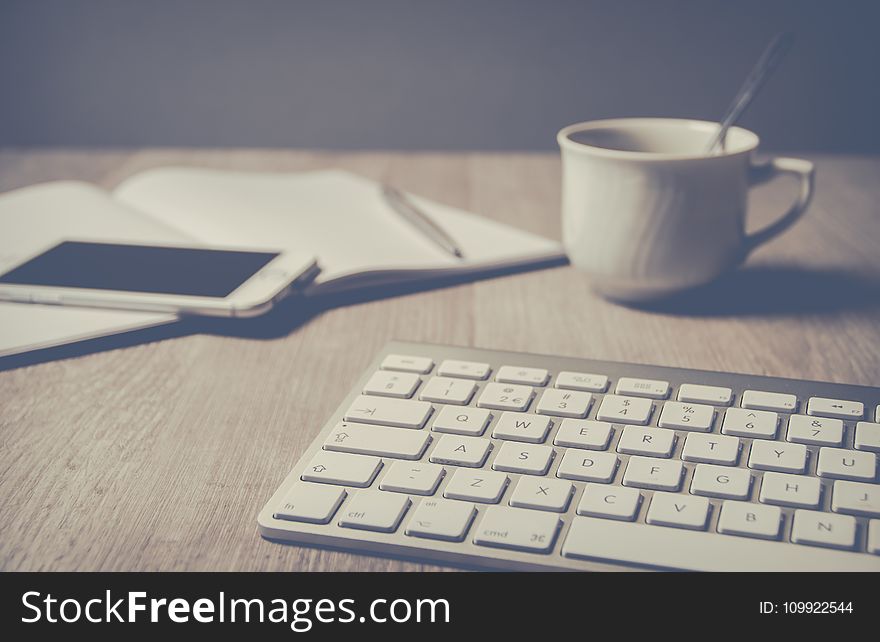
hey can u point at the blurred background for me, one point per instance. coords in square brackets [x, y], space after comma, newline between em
[410, 74]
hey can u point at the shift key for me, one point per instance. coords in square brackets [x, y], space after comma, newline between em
[342, 469]
[518, 529]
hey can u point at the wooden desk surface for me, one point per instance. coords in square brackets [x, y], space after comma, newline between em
[159, 455]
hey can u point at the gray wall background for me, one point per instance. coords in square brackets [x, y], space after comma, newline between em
[451, 74]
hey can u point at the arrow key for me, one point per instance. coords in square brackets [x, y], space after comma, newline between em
[822, 407]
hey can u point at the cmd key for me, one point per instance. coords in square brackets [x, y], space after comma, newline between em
[518, 529]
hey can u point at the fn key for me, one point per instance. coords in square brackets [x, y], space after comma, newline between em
[310, 503]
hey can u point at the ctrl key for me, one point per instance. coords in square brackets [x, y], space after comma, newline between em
[311, 503]
[374, 510]
[517, 529]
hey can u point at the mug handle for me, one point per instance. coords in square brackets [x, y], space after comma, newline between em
[764, 172]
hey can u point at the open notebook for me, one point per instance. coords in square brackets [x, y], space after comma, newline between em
[339, 217]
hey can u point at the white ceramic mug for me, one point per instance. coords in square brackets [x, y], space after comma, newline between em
[646, 212]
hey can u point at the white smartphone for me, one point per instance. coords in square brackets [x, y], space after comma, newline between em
[212, 281]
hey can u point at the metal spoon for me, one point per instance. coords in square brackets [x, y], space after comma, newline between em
[769, 60]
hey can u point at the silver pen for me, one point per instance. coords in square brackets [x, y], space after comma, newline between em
[403, 206]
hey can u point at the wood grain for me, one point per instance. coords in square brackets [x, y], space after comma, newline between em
[159, 455]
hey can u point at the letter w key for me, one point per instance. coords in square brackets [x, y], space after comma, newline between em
[520, 426]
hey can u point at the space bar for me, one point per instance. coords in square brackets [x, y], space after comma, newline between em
[671, 548]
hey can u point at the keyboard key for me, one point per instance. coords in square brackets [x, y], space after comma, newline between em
[874, 534]
[867, 436]
[527, 376]
[721, 481]
[642, 388]
[778, 457]
[373, 510]
[585, 433]
[448, 390]
[839, 463]
[564, 403]
[777, 401]
[856, 498]
[635, 479]
[581, 381]
[392, 384]
[462, 421]
[656, 442]
[750, 520]
[625, 410]
[711, 449]
[312, 503]
[476, 486]
[678, 511]
[441, 519]
[403, 413]
[655, 474]
[674, 548]
[407, 363]
[790, 490]
[464, 369]
[740, 422]
[823, 529]
[542, 494]
[461, 451]
[505, 396]
[823, 407]
[815, 431]
[696, 393]
[587, 466]
[417, 478]
[520, 426]
[612, 502]
[342, 469]
[518, 529]
[381, 441]
[686, 416]
[523, 458]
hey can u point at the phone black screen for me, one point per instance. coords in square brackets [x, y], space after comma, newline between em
[140, 268]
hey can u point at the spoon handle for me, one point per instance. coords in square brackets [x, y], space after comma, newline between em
[772, 56]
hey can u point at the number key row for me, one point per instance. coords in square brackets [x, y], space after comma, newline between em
[399, 377]
[387, 382]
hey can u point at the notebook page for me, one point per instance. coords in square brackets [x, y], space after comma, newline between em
[338, 216]
[36, 217]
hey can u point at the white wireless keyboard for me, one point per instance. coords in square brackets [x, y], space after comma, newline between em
[514, 461]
